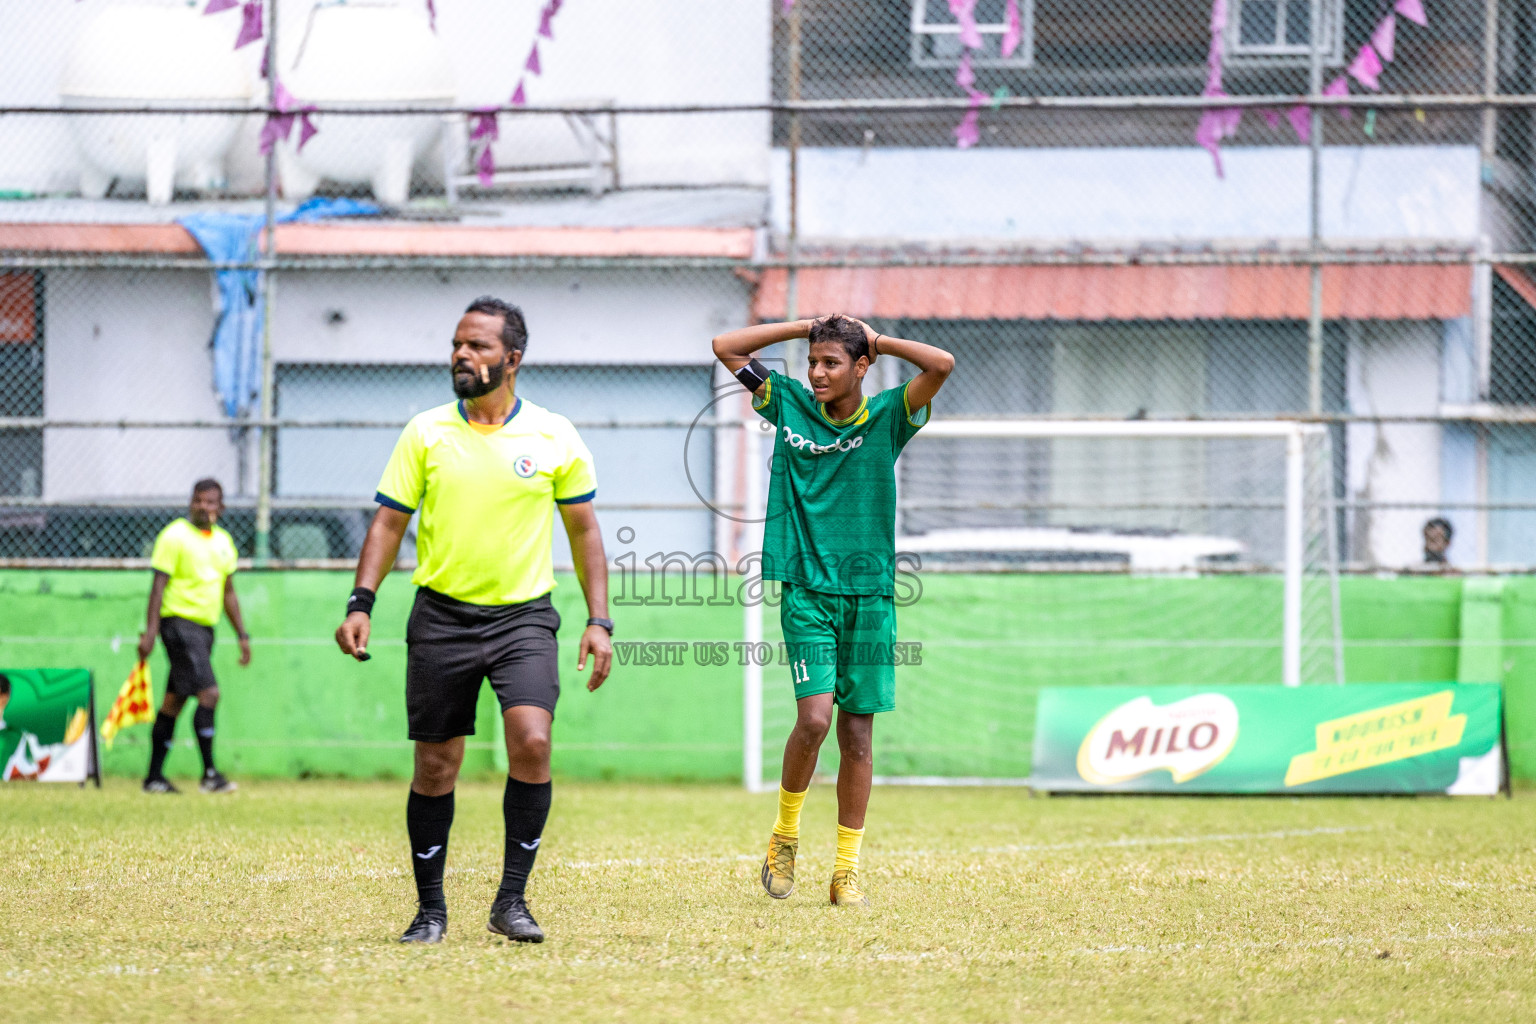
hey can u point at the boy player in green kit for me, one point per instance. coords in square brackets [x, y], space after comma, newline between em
[829, 539]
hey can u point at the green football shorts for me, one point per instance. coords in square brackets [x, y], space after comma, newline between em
[842, 644]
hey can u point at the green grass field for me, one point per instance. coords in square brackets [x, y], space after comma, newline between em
[282, 903]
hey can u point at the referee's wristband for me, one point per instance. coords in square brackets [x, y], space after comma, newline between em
[361, 601]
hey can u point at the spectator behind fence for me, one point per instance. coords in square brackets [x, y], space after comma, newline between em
[1437, 543]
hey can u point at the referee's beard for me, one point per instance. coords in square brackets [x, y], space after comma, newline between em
[467, 382]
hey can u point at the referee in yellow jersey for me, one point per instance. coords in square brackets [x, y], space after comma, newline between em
[193, 558]
[486, 473]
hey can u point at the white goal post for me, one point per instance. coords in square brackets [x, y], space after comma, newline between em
[1295, 493]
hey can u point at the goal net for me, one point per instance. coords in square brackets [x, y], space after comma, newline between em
[1079, 553]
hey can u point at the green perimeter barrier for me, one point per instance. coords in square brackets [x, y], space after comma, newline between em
[989, 643]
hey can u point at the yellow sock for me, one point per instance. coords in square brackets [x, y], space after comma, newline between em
[848, 841]
[788, 824]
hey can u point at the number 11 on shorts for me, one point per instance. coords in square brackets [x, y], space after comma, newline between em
[798, 672]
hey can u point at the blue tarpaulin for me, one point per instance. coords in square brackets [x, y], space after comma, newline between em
[236, 344]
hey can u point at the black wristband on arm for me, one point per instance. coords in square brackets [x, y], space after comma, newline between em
[753, 376]
[361, 601]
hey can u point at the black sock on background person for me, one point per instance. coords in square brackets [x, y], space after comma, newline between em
[427, 820]
[160, 739]
[202, 724]
[525, 808]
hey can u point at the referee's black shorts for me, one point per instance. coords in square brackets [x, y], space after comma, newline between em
[189, 645]
[451, 646]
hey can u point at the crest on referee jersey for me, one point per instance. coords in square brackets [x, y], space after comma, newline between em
[525, 466]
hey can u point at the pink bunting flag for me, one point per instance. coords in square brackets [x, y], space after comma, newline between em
[215, 6]
[431, 20]
[968, 131]
[484, 126]
[1014, 33]
[1384, 39]
[1413, 10]
[1271, 118]
[965, 74]
[1338, 87]
[1366, 68]
[519, 97]
[787, 5]
[546, 18]
[485, 167]
[307, 130]
[533, 66]
[250, 24]
[282, 99]
[965, 13]
[1301, 121]
[1208, 135]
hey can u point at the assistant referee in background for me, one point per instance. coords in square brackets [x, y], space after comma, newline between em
[486, 473]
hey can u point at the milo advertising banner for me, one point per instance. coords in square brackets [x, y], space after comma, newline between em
[47, 726]
[1361, 738]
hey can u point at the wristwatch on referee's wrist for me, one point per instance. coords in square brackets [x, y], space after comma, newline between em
[605, 623]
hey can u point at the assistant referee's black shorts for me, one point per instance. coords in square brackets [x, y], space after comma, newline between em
[451, 646]
[189, 645]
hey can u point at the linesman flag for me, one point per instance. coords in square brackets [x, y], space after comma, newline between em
[132, 705]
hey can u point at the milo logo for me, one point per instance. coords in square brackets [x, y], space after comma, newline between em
[810, 447]
[1185, 738]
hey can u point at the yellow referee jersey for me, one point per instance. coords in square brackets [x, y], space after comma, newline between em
[197, 562]
[487, 498]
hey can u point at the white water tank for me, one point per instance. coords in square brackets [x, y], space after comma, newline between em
[365, 55]
[147, 56]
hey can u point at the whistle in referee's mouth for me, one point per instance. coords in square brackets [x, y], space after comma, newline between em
[485, 374]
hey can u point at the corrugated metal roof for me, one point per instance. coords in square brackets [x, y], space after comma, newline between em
[1350, 292]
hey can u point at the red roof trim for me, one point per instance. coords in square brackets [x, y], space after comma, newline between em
[1351, 292]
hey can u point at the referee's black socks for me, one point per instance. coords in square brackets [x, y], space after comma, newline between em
[160, 740]
[525, 806]
[202, 723]
[427, 820]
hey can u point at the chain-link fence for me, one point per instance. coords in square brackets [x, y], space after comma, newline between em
[247, 262]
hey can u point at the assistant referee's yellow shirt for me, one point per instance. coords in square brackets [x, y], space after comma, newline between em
[487, 499]
[198, 562]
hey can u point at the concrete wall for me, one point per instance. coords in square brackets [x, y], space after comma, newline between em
[134, 345]
[639, 52]
[1000, 195]
[1393, 369]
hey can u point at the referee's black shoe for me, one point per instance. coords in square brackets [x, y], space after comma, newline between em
[428, 926]
[510, 917]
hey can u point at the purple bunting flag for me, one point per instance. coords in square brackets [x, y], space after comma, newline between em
[250, 24]
[1301, 121]
[1384, 39]
[307, 130]
[215, 6]
[546, 18]
[1338, 87]
[533, 67]
[431, 20]
[484, 126]
[1015, 30]
[485, 167]
[965, 74]
[787, 5]
[519, 97]
[968, 131]
[1413, 10]
[965, 13]
[1366, 68]
[1271, 118]
[278, 126]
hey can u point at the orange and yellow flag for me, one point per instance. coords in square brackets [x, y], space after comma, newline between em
[132, 705]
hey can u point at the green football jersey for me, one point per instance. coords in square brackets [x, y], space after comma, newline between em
[832, 499]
